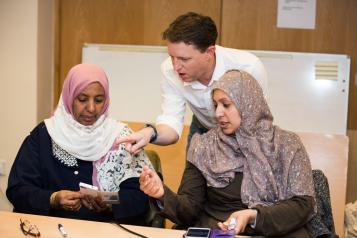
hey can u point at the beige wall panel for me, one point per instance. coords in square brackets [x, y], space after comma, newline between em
[251, 24]
[119, 22]
[18, 60]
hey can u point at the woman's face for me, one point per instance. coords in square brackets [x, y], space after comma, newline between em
[88, 105]
[227, 114]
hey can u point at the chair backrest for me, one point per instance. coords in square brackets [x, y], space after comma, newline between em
[153, 219]
[322, 224]
[155, 161]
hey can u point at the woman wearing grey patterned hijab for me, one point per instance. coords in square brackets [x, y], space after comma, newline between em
[274, 162]
[246, 175]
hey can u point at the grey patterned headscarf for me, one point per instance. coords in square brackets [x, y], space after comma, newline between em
[274, 162]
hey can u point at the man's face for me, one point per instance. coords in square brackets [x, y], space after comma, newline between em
[190, 63]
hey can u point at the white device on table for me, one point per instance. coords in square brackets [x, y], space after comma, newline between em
[197, 232]
[109, 197]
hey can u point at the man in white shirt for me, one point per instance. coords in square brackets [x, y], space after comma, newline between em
[195, 62]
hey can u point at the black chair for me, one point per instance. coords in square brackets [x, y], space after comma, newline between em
[322, 224]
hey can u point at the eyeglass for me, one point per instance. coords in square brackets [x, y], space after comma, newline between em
[29, 229]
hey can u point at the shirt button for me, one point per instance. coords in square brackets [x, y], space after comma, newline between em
[76, 172]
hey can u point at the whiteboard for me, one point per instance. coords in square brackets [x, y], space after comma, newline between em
[134, 77]
[308, 92]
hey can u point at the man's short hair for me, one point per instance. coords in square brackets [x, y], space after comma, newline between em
[193, 29]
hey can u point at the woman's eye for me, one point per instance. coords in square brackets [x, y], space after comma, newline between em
[99, 100]
[226, 105]
[80, 99]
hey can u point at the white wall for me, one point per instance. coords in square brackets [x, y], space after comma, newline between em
[19, 60]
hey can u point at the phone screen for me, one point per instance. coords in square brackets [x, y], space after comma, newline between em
[198, 232]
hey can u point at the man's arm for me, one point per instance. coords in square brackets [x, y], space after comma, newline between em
[135, 142]
[169, 123]
[165, 135]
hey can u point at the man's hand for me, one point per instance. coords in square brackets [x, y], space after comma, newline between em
[151, 184]
[135, 142]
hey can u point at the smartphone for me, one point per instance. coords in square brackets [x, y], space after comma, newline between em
[197, 232]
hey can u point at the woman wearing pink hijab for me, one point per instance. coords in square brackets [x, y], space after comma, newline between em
[76, 145]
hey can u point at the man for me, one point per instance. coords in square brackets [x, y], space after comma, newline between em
[195, 62]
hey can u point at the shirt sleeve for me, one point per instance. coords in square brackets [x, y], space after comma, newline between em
[184, 207]
[25, 186]
[173, 104]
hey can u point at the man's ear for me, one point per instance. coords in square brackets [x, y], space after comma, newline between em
[211, 50]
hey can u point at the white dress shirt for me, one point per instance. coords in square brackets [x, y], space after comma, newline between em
[176, 93]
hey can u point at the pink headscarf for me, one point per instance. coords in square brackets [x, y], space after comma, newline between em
[89, 143]
[78, 78]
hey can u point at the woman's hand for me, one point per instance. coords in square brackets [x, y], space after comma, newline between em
[95, 203]
[240, 218]
[151, 184]
[68, 200]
